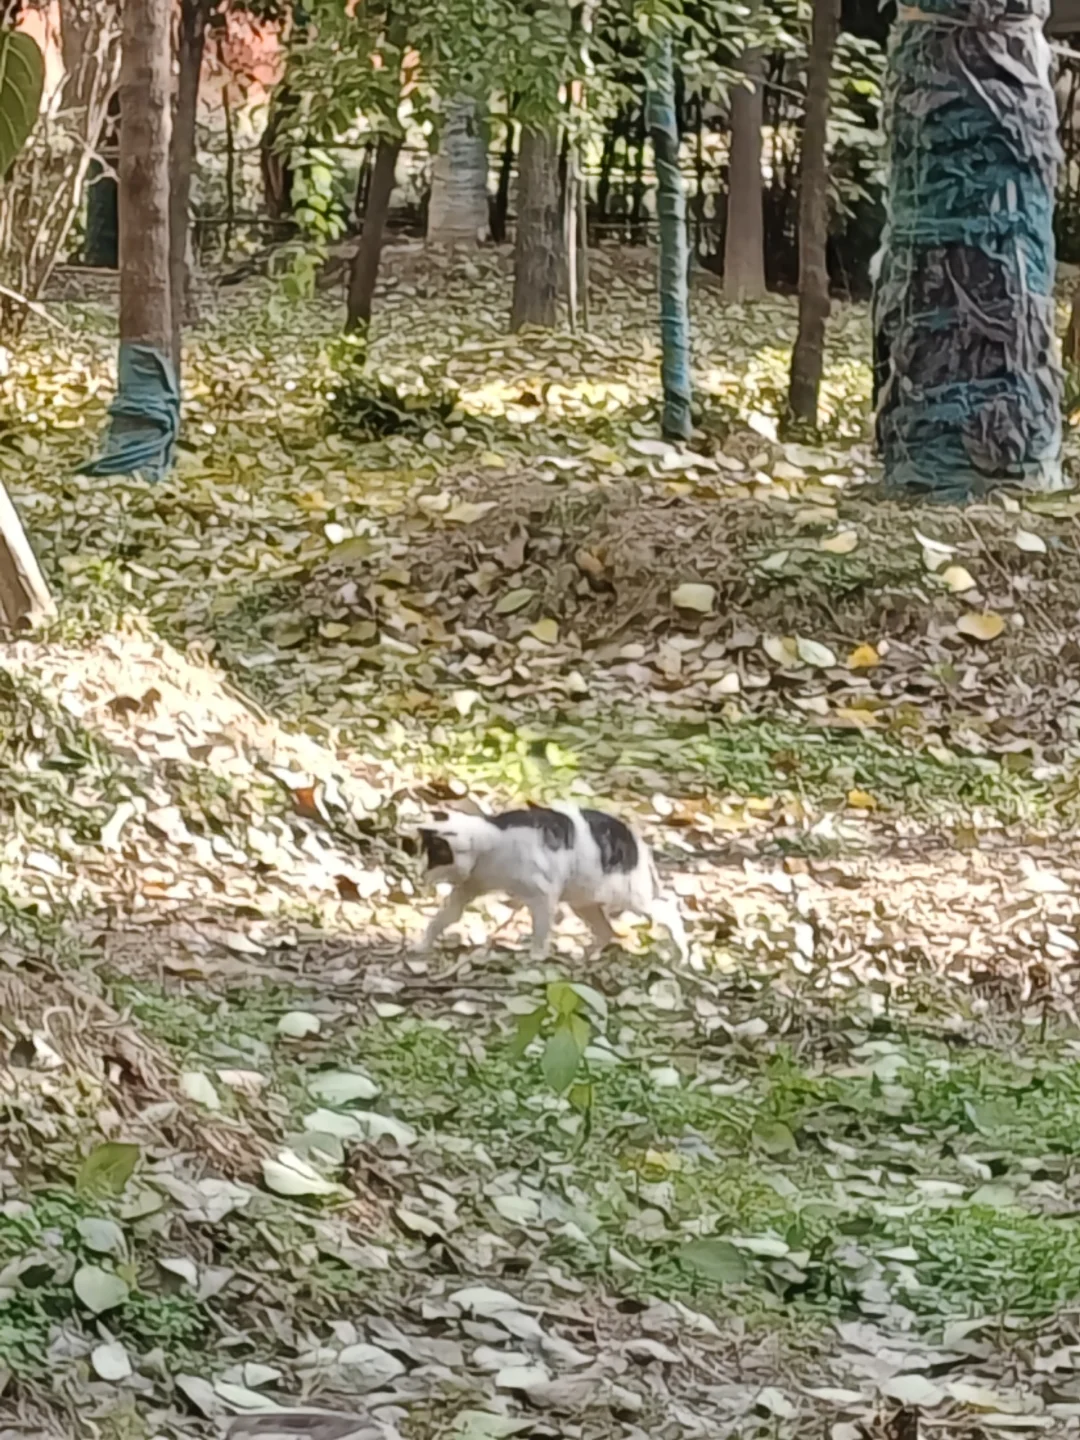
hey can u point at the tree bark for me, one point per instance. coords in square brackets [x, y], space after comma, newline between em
[501, 204]
[1070, 350]
[538, 243]
[808, 354]
[277, 176]
[744, 235]
[458, 208]
[194, 17]
[364, 270]
[677, 423]
[145, 313]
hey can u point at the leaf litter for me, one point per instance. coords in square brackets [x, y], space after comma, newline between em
[818, 1171]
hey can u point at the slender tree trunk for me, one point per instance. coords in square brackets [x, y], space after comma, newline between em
[639, 232]
[145, 312]
[230, 166]
[677, 423]
[607, 160]
[808, 355]
[364, 271]
[458, 207]
[501, 204]
[277, 176]
[194, 17]
[1070, 350]
[744, 235]
[538, 244]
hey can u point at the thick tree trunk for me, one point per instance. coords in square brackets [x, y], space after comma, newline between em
[538, 243]
[969, 386]
[364, 271]
[808, 355]
[744, 235]
[145, 312]
[458, 208]
[194, 17]
[677, 423]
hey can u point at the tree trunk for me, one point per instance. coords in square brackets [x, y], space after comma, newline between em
[501, 204]
[538, 243]
[194, 17]
[1070, 350]
[364, 271]
[24, 596]
[744, 235]
[808, 355]
[101, 244]
[277, 175]
[458, 207]
[144, 417]
[677, 423]
[969, 384]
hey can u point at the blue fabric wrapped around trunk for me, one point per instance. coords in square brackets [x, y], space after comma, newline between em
[144, 417]
[967, 382]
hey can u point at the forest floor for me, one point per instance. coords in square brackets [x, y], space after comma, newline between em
[262, 1166]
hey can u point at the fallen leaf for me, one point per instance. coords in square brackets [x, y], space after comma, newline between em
[298, 1024]
[957, 578]
[546, 631]
[98, 1289]
[980, 625]
[690, 596]
[842, 543]
[110, 1362]
[812, 652]
[1029, 541]
[863, 657]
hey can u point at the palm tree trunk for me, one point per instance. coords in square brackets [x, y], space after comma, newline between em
[808, 354]
[677, 423]
[538, 243]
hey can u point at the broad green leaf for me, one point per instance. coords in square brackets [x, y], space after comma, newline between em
[98, 1289]
[772, 1136]
[716, 1259]
[528, 1028]
[562, 1056]
[22, 78]
[107, 1169]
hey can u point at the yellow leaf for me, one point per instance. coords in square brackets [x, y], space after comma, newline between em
[859, 719]
[812, 652]
[842, 543]
[863, 657]
[781, 648]
[861, 800]
[491, 460]
[546, 631]
[694, 597]
[980, 625]
[958, 579]
[467, 511]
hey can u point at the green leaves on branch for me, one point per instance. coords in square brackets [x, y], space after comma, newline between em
[566, 1033]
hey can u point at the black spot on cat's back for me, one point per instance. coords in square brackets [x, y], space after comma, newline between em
[616, 842]
[556, 829]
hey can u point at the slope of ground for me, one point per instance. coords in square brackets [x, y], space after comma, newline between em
[262, 1167]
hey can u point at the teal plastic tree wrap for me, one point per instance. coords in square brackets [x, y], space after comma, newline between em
[677, 422]
[967, 382]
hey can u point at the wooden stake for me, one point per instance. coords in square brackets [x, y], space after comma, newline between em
[24, 596]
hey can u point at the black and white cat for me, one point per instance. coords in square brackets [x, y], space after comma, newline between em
[543, 858]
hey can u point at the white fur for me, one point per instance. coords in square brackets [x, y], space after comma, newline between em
[517, 863]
